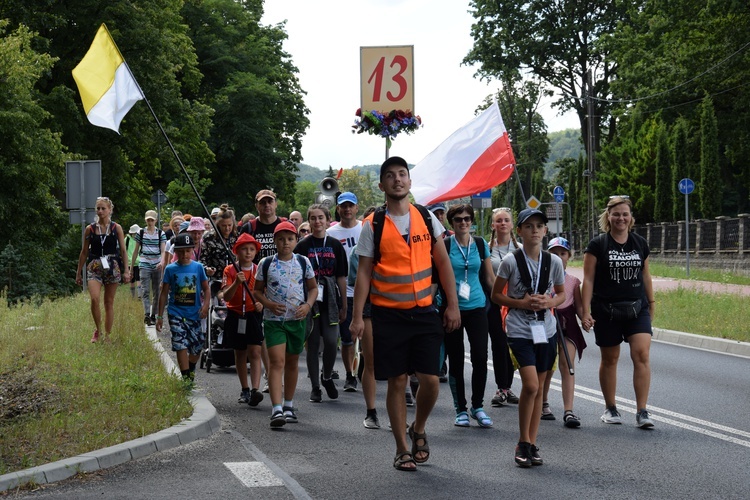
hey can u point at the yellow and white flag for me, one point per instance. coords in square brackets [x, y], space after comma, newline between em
[108, 89]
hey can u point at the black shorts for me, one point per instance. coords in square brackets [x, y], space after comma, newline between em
[612, 333]
[527, 353]
[406, 341]
[253, 330]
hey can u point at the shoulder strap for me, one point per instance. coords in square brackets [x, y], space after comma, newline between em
[544, 275]
[301, 261]
[481, 245]
[427, 220]
[266, 266]
[523, 270]
[447, 242]
[378, 218]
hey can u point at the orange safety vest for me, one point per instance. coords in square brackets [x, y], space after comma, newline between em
[402, 278]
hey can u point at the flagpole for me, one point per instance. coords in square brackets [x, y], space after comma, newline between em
[179, 161]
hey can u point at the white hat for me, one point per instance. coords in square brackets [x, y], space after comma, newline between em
[215, 211]
[135, 228]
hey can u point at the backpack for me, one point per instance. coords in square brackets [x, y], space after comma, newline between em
[300, 259]
[158, 238]
[254, 225]
[543, 280]
[378, 219]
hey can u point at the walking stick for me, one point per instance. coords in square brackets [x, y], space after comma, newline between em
[564, 344]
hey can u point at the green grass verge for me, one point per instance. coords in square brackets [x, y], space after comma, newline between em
[713, 315]
[62, 396]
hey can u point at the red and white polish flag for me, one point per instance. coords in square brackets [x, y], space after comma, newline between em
[476, 157]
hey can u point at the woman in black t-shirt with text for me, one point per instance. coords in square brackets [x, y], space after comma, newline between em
[618, 301]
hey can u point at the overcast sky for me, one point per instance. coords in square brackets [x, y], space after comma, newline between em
[324, 42]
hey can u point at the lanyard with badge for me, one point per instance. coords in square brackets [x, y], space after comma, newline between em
[464, 289]
[102, 238]
[320, 285]
[538, 332]
[242, 322]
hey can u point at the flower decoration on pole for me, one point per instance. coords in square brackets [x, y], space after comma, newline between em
[387, 125]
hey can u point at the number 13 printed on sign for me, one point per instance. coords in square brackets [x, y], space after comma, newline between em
[387, 78]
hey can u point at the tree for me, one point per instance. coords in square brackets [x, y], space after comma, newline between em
[680, 166]
[664, 188]
[361, 184]
[709, 189]
[555, 41]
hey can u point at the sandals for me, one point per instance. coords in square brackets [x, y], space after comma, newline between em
[546, 412]
[416, 448]
[571, 421]
[462, 419]
[400, 462]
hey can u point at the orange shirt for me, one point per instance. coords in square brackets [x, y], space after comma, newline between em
[240, 294]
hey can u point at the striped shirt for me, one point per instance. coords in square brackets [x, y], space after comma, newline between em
[150, 247]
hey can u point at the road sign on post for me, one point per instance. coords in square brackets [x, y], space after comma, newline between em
[559, 194]
[159, 199]
[533, 202]
[686, 186]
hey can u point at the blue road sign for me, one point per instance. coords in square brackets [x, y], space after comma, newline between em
[686, 186]
[559, 194]
[483, 194]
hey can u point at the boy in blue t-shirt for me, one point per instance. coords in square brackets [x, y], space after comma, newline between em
[186, 280]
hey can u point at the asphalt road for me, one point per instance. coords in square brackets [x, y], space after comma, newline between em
[700, 447]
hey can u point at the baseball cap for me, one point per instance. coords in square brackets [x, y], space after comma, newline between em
[524, 215]
[246, 239]
[265, 193]
[183, 240]
[285, 226]
[196, 224]
[150, 214]
[347, 196]
[393, 160]
[215, 211]
[559, 242]
[436, 206]
[135, 228]
[184, 226]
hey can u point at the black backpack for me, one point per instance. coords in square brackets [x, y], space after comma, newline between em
[158, 238]
[378, 219]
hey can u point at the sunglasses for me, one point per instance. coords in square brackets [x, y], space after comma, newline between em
[501, 209]
[462, 219]
[623, 196]
[304, 231]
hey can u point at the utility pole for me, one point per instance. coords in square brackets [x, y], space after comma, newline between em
[591, 153]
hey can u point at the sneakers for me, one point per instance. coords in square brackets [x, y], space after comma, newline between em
[571, 421]
[499, 398]
[546, 412]
[330, 388]
[643, 420]
[147, 320]
[334, 374]
[255, 397]
[351, 384]
[510, 397]
[462, 419]
[265, 387]
[523, 454]
[244, 397]
[611, 416]
[534, 455]
[409, 398]
[316, 395]
[289, 415]
[278, 419]
[481, 417]
[95, 337]
[371, 421]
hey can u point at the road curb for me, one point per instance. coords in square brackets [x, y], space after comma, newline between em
[202, 423]
[716, 344]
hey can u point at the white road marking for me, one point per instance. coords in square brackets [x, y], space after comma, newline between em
[254, 474]
[710, 429]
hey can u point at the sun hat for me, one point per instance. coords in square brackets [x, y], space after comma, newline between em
[524, 215]
[246, 239]
[196, 224]
[150, 214]
[559, 242]
[347, 196]
[285, 226]
[183, 241]
[265, 193]
[135, 228]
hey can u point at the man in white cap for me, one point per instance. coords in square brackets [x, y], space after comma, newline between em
[347, 232]
[135, 275]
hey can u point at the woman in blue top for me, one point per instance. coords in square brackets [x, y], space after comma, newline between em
[470, 259]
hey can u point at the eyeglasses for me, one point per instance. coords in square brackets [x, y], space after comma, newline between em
[462, 219]
[501, 209]
[304, 231]
[623, 196]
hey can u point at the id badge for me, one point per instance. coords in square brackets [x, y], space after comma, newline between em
[538, 333]
[319, 298]
[241, 326]
[464, 290]
[105, 262]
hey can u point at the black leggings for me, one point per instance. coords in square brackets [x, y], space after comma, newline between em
[500, 352]
[475, 323]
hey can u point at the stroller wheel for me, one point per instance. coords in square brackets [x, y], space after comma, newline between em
[203, 360]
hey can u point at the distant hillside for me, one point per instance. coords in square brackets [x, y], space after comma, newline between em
[564, 144]
[314, 174]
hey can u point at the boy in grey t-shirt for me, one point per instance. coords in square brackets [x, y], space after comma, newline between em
[530, 325]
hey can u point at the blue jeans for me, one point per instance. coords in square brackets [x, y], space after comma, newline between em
[150, 284]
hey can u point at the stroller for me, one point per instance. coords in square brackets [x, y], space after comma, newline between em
[214, 351]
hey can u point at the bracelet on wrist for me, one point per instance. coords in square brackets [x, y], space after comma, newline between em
[159, 317]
